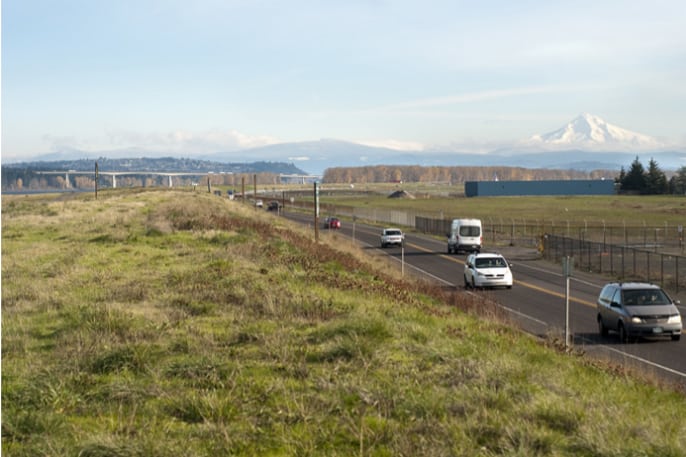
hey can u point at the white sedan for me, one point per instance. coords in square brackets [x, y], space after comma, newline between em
[487, 270]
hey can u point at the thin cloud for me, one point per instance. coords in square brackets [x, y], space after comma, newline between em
[397, 145]
[476, 97]
[190, 142]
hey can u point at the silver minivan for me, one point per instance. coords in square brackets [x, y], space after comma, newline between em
[634, 309]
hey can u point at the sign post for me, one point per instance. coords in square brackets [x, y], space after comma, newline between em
[567, 269]
[354, 219]
[316, 212]
[402, 258]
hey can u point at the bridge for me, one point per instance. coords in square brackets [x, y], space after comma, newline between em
[114, 174]
[298, 179]
[283, 178]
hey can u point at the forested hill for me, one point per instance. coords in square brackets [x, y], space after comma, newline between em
[169, 164]
[416, 173]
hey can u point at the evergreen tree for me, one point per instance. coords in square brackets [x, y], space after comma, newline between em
[635, 178]
[679, 181]
[656, 181]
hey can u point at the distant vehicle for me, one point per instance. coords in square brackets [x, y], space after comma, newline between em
[634, 309]
[274, 206]
[259, 203]
[465, 235]
[487, 270]
[392, 236]
[332, 223]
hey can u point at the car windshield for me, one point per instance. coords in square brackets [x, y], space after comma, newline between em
[393, 232]
[490, 262]
[644, 297]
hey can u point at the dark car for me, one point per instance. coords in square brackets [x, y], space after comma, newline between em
[273, 206]
[332, 223]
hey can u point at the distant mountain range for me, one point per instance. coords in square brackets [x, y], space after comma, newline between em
[586, 143]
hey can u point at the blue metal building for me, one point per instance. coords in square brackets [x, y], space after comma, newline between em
[552, 187]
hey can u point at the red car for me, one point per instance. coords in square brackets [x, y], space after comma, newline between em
[332, 223]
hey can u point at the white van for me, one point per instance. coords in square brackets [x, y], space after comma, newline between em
[465, 235]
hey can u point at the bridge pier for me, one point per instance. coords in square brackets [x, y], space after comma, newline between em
[114, 181]
[170, 180]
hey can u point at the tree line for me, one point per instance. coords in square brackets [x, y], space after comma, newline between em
[457, 174]
[652, 181]
[637, 179]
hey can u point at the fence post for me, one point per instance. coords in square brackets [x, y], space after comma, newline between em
[512, 232]
[662, 270]
[676, 273]
[604, 237]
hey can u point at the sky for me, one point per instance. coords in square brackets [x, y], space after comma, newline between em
[202, 76]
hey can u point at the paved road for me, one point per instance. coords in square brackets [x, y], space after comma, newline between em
[537, 300]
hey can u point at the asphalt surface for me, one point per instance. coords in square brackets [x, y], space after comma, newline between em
[537, 302]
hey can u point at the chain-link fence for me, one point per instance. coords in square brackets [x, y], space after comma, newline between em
[642, 252]
[619, 261]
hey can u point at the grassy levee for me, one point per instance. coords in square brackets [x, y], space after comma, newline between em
[177, 323]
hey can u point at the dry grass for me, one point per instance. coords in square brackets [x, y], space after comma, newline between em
[178, 323]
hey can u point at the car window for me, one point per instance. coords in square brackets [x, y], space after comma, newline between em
[470, 230]
[606, 294]
[490, 262]
[616, 297]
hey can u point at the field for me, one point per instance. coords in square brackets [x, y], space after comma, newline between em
[595, 209]
[171, 322]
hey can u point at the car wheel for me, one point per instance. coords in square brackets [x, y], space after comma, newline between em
[473, 284]
[623, 335]
[601, 327]
[676, 337]
[466, 282]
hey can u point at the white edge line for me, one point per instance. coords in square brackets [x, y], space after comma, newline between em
[604, 346]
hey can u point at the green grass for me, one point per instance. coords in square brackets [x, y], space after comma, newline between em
[179, 323]
[615, 210]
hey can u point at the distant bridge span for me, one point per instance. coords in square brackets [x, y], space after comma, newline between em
[114, 174]
[283, 178]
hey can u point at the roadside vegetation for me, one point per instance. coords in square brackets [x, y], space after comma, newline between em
[169, 322]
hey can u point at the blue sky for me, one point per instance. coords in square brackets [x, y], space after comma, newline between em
[192, 77]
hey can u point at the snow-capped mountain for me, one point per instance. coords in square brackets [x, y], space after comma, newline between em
[590, 132]
[585, 143]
